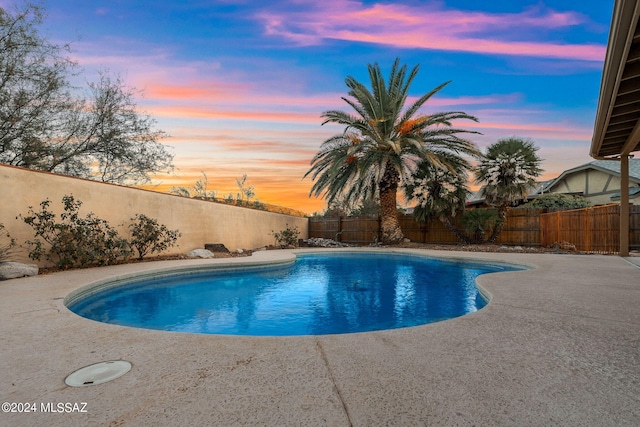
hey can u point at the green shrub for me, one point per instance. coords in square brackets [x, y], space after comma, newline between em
[286, 237]
[7, 243]
[479, 222]
[149, 236]
[74, 241]
[557, 201]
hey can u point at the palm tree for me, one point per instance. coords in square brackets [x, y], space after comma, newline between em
[440, 193]
[508, 172]
[477, 222]
[383, 143]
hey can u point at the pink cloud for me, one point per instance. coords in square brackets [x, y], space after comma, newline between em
[214, 91]
[430, 27]
[495, 99]
[559, 130]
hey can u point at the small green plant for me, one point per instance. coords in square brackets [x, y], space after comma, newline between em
[287, 237]
[74, 241]
[149, 236]
[197, 191]
[243, 198]
[7, 243]
[479, 222]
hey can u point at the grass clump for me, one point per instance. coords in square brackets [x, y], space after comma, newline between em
[7, 243]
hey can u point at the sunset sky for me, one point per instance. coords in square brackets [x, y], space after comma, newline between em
[240, 85]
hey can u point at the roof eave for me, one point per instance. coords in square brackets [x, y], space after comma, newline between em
[623, 25]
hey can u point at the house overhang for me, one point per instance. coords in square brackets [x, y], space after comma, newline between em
[617, 126]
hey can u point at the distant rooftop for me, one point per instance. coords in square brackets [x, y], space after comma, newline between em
[540, 188]
[609, 166]
[612, 166]
[633, 192]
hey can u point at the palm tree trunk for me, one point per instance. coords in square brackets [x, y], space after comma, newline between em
[502, 213]
[454, 230]
[389, 222]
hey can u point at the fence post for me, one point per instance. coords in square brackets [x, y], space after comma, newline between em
[558, 227]
[587, 231]
[339, 232]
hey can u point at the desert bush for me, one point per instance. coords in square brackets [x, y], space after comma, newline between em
[479, 222]
[287, 237]
[557, 201]
[7, 243]
[149, 236]
[74, 241]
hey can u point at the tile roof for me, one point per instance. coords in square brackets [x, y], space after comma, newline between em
[540, 188]
[604, 165]
[633, 192]
[614, 166]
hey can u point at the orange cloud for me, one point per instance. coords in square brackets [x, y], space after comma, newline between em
[276, 182]
[293, 106]
[211, 113]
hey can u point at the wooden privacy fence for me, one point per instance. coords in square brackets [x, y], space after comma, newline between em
[359, 230]
[521, 228]
[595, 229]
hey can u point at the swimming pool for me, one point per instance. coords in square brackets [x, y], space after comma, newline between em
[328, 293]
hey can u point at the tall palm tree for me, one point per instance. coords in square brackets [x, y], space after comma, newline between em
[383, 143]
[440, 193]
[508, 172]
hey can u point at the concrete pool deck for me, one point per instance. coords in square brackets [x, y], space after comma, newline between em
[557, 345]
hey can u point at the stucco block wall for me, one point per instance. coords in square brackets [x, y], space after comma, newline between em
[199, 221]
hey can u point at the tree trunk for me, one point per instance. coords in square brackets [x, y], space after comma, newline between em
[454, 230]
[390, 224]
[502, 213]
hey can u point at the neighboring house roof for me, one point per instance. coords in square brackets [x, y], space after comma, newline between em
[475, 197]
[633, 193]
[541, 187]
[608, 166]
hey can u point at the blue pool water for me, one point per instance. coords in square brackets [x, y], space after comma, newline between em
[318, 294]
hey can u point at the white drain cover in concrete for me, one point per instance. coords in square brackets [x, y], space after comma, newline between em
[99, 373]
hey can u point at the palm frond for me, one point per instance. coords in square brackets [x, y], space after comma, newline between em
[420, 102]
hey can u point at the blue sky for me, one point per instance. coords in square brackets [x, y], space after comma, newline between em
[240, 85]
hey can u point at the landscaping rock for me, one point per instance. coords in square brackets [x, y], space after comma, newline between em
[13, 270]
[240, 251]
[564, 245]
[200, 253]
[319, 242]
[216, 247]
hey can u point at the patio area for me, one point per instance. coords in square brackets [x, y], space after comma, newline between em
[558, 344]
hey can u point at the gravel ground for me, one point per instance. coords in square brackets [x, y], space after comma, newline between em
[412, 245]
